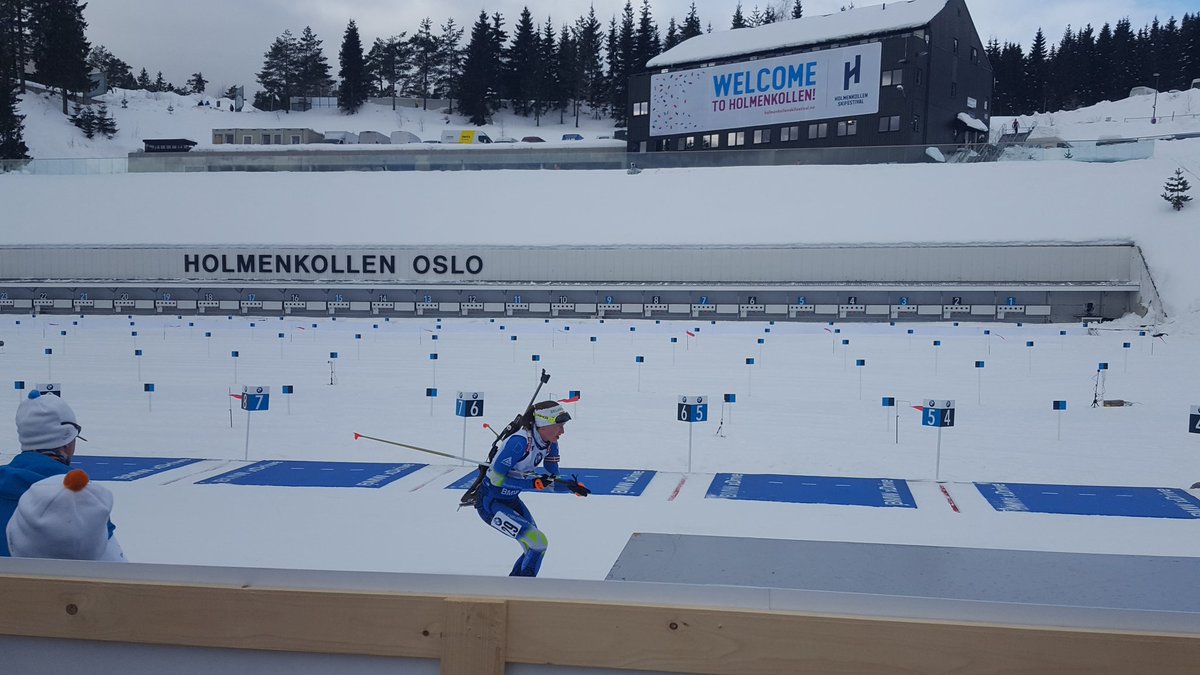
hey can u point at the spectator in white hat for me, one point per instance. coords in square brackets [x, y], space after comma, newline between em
[64, 517]
[48, 430]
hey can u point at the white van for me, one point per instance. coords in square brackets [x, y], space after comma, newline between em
[464, 136]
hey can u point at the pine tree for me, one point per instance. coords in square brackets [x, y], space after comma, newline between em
[568, 73]
[739, 21]
[143, 81]
[84, 118]
[646, 43]
[449, 62]
[755, 18]
[589, 40]
[352, 92]
[672, 36]
[769, 15]
[424, 50]
[311, 66]
[798, 10]
[621, 65]
[475, 83]
[1034, 98]
[60, 48]
[549, 87]
[520, 80]
[1175, 191]
[691, 24]
[196, 83]
[279, 73]
[105, 124]
[15, 38]
[160, 84]
[116, 72]
[12, 128]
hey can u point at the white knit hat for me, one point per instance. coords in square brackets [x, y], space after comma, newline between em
[45, 422]
[62, 517]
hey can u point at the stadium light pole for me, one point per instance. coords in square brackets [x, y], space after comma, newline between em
[1154, 110]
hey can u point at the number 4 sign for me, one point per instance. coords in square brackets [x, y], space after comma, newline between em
[1194, 420]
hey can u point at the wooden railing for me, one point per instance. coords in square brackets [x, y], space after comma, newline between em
[480, 635]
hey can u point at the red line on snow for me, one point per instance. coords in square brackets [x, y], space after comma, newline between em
[950, 499]
[677, 489]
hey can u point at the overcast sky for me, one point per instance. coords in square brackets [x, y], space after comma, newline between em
[226, 39]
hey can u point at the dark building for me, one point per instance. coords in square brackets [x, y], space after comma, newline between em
[897, 74]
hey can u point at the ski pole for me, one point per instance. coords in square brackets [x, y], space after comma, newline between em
[414, 447]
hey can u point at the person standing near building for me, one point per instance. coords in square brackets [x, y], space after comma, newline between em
[512, 471]
[47, 429]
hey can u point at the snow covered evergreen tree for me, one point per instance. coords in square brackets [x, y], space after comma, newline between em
[798, 10]
[12, 128]
[449, 62]
[105, 124]
[278, 75]
[739, 19]
[476, 87]
[691, 24]
[352, 92]
[1175, 191]
[312, 68]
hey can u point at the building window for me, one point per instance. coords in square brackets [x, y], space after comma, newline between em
[278, 139]
[681, 143]
[818, 130]
[229, 138]
[887, 124]
[662, 144]
[789, 134]
[641, 108]
[295, 140]
[891, 77]
[689, 142]
[762, 135]
[974, 55]
[955, 49]
[985, 104]
[266, 139]
[847, 128]
[737, 138]
[708, 141]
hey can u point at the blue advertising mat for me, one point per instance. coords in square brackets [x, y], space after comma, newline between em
[315, 474]
[1091, 500]
[615, 482]
[126, 468]
[769, 487]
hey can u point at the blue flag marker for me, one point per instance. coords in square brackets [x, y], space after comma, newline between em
[937, 343]
[19, 385]
[48, 351]
[593, 338]
[1102, 366]
[280, 336]
[433, 337]
[137, 352]
[233, 354]
[333, 355]
[358, 336]
[731, 398]
[1126, 345]
[512, 338]
[133, 333]
[148, 387]
[433, 356]
[979, 364]
[762, 341]
[431, 392]
[207, 334]
[573, 393]
[749, 360]
[860, 362]
[845, 342]
[1062, 332]
[287, 389]
[674, 340]
[1029, 343]
[535, 357]
[639, 359]
[632, 329]
[889, 402]
[910, 331]
[1059, 405]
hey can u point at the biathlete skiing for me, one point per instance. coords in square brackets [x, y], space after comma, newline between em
[513, 470]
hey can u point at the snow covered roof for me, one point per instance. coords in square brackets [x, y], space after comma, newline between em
[972, 122]
[889, 16]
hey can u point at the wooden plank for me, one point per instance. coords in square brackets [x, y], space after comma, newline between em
[380, 624]
[474, 636]
[723, 642]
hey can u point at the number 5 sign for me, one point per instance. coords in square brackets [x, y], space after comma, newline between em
[469, 404]
[938, 414]
[692, 409]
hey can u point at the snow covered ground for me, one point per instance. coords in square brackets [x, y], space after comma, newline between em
[799, 409]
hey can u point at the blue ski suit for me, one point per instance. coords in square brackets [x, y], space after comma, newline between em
[500, 505]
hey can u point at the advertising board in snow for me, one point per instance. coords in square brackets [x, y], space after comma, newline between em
[831, 83]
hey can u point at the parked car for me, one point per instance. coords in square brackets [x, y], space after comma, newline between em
[572, 137]
[505, 139]
[533, 139]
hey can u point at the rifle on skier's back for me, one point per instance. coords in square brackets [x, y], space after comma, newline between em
[471, 496]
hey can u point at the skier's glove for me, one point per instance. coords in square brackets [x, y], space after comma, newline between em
[578, 488]
[544, 482]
